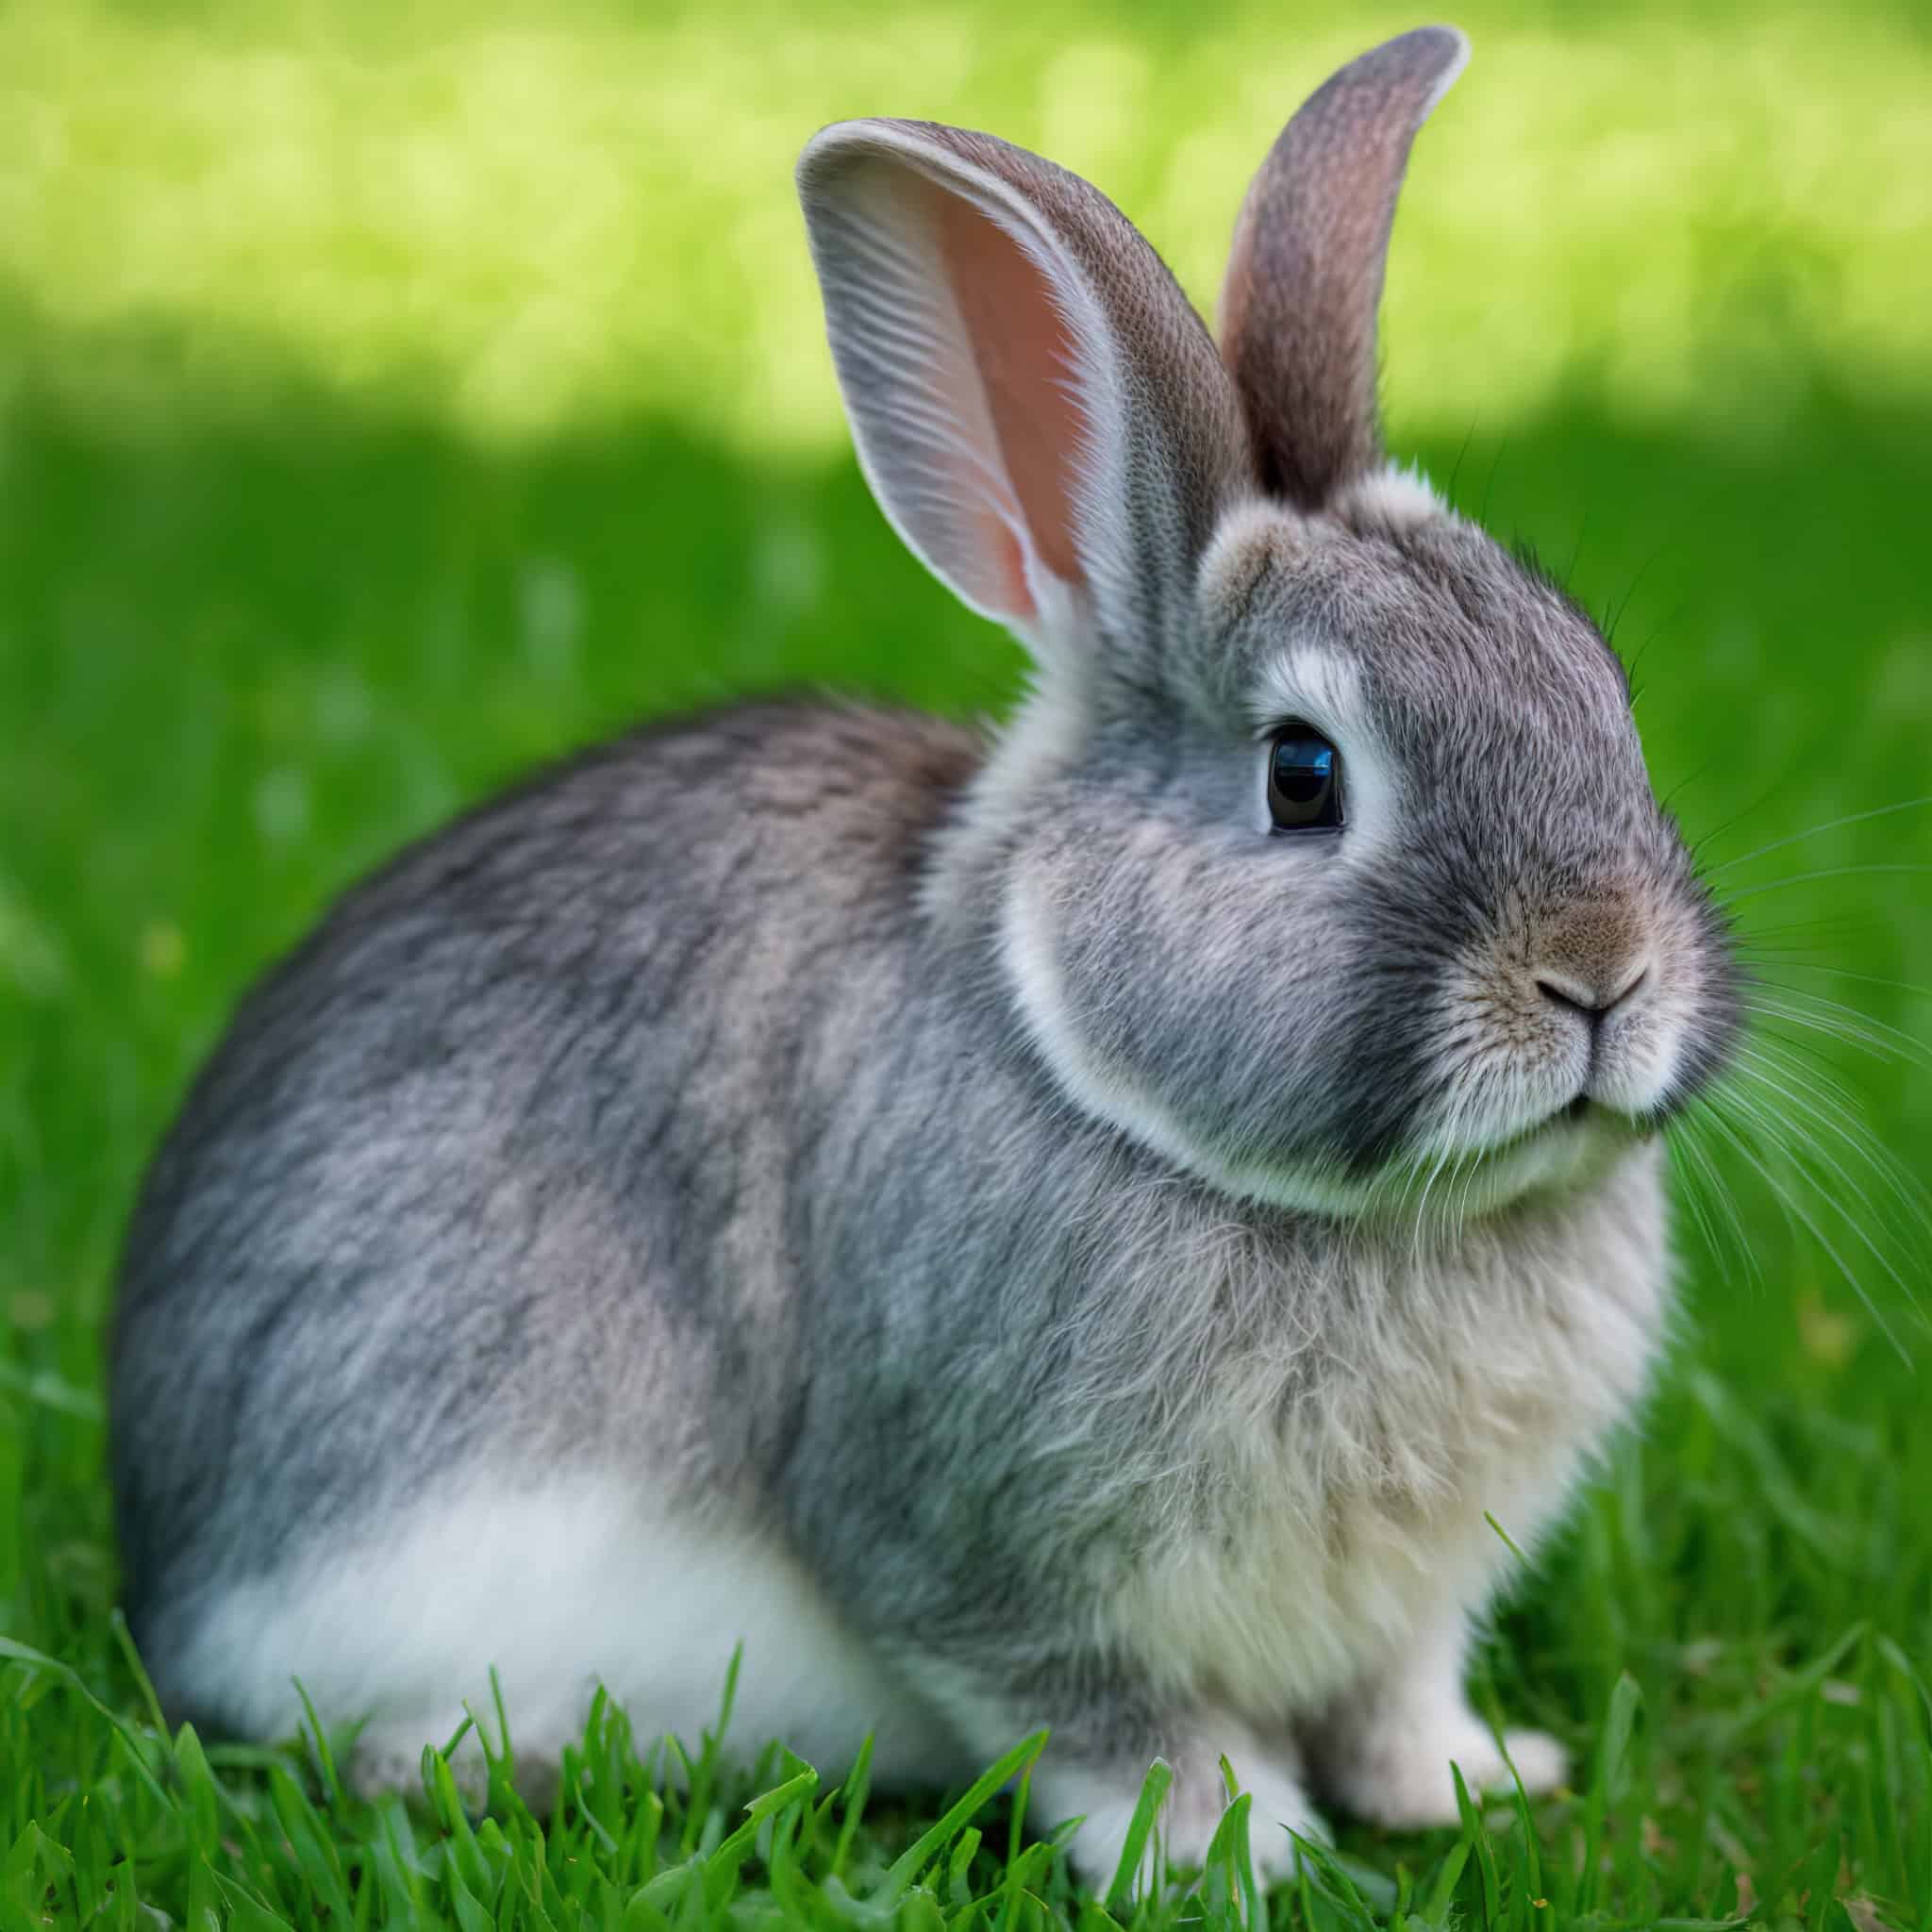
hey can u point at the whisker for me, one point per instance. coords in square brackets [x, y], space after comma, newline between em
[1840, 1022]
[1656, 630]
[1700, 1177]
[1829, 871]
[1855, 817]
[1864, 1239]
[1495, 465]
[1771, 1019]
[1682, 785]
[1833, 1107]
[1727, 1200]
[1818, 1152]
[1817, 1233]
[1830, 929]
[1809, 1147]
[1691, 1186]
[1923, 992]
[1697, 846]
[1422, 1209]
[1449, 494]
[1858, 1013]
[1819, 1074]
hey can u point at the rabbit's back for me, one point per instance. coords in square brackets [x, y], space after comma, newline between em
[475, 1177]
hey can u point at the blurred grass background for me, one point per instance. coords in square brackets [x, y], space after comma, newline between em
[393, 398]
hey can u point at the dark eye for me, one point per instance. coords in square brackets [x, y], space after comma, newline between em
[1303, 780]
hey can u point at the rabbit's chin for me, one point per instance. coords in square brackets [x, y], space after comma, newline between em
[1436, 1187]
[1444, 1186]
[1439, 1186]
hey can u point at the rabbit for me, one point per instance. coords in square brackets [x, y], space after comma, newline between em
[1083, 1224]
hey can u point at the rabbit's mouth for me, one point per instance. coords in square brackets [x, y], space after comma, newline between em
[1567, 1148]
[1578, 1111]
[1573, 1112]
[1562, 1133]
[1561, 1151]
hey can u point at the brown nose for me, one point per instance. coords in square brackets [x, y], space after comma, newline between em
[1592, 955]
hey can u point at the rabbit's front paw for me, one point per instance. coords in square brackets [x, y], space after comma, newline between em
[1401, 1778]
[388, 1757]
[1190, 1816]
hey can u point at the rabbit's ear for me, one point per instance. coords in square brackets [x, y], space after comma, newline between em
[1040, 414]
[1298, 306]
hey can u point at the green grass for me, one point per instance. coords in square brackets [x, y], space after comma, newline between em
[389, 403]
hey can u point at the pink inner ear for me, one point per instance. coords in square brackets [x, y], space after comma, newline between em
[1027, 360]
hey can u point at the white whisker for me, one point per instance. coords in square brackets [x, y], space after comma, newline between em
[1686, 1137]
[1829, 871]
[1817, 1233]
[1847, 1022]
[1855, 817]
[1918, 991]
[1773, 1018]
[1829, 1106]
[1817, 1151]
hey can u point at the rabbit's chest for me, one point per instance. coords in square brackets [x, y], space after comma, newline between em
[1332, 1500]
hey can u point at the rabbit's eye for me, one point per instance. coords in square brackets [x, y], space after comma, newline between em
[1303, 780]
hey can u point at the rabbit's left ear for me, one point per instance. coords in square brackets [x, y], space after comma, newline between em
[1042, 416]
[1304, 277]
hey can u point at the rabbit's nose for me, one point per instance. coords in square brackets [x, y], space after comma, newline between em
[1566, 991]
[1591, 958]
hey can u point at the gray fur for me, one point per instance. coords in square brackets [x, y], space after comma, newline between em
[993, 1178]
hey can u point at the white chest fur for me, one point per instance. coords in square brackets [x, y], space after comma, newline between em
[1333, 1496]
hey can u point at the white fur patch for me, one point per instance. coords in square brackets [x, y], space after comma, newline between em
[1387, 1752]
[1192, 1813]
[1249, 536]
[1398, 496]
[560, 1588]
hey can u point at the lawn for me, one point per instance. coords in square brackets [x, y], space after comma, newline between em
[391, 399]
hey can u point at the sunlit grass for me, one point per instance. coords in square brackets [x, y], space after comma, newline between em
[539, 221]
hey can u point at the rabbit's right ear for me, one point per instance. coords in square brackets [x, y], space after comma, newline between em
[1042, 416]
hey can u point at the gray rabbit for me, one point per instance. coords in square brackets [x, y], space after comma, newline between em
[1079, 1230]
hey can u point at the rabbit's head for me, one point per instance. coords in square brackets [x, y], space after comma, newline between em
[1322, 857]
